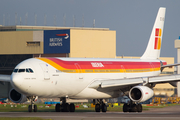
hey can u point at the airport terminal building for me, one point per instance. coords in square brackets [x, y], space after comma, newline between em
[18, 43]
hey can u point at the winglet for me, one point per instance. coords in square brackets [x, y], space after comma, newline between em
[154, 45]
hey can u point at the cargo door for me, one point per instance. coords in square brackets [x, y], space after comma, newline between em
[44, 67]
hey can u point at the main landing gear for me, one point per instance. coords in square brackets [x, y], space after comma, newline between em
[64, 107]
[132, 107]
[100, 105]
[32, 107]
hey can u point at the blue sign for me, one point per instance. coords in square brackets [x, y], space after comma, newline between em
[56, 41]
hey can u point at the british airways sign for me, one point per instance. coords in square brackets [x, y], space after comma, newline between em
[56, 41]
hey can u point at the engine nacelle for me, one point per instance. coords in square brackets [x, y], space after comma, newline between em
[140, 93]
[17, 97]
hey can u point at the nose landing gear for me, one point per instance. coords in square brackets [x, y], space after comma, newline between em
[32, 107]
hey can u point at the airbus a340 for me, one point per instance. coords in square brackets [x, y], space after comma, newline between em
[92, 78]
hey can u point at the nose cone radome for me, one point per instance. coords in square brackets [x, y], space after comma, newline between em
[16, 81]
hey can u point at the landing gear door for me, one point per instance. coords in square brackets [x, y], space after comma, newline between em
[45, 71]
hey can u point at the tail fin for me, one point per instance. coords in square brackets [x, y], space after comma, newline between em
[154, 45]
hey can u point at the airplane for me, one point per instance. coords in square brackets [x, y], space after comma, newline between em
[92, 78]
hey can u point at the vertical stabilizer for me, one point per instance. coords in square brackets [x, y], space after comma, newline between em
[154, 45]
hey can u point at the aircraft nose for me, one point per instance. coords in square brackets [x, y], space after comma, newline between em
[16, 80]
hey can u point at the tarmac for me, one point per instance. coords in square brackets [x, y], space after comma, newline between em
[167, 113]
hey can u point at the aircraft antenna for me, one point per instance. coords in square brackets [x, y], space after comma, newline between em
[94, 23]
[26, 17]
[35, 19]
[74, 21]
[55, 20]
[15, 18]
[20, 21]
[4, 19]
[45, 22]
[83, 20]
[8, 19]
[64, 20]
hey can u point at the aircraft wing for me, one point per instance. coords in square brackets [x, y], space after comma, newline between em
[120, 83]
[5, 78]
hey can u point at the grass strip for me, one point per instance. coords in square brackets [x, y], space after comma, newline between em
[51, 108]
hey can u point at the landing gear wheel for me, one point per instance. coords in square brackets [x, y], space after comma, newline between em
[133, 108]
[100, 105]
[72, 107]
[104, 107]
[66, 107]
[97, 108]
[35, 108]
[126, 107]
[30, 108]
[139, 108]
[58, 107]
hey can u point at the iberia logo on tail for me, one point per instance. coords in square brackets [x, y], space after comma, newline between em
[157, 44]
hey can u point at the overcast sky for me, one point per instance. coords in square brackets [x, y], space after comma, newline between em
[132, 19]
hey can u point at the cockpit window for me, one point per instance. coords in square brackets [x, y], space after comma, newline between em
[31, 71]
[28, 70]
[21, 70]
[15, 70]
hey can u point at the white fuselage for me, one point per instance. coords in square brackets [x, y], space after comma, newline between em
[47, 80]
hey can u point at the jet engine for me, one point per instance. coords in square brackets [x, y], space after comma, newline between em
[17, 97]
[140, 93]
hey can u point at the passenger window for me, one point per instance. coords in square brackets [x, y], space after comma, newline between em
[15, 70]
[21, 70]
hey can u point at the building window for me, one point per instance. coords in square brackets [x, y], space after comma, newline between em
[32, 43]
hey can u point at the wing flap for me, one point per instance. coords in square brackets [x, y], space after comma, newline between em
[121, 82]
[164, 79]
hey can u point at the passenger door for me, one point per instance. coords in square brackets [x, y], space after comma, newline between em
[45, 71]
